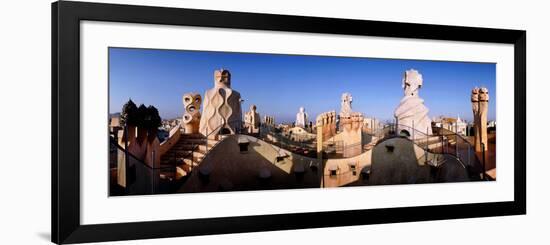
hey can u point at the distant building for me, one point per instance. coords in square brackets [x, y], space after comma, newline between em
[299, 134]
[371, 124]
[491, 126]
[114, 126]
[452, 124]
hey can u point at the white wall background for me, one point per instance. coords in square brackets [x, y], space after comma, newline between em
[25, 99]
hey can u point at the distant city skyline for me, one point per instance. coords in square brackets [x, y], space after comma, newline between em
[280, 84]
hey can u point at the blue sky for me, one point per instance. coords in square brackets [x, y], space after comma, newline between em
[279, 84]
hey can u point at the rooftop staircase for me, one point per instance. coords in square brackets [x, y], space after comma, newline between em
[186, 154]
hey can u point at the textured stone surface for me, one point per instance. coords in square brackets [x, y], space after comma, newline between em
[152, 155]
[406, 164]
[191, 116]
[222, 111]
[245, 171]
[351, 127]
[346, 100]
[252, 120]
[301, 118]
[326, 125]
[269, 120]
[326, 128]
[480, 106]
[411, 112]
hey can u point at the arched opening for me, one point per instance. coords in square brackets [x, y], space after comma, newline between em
[224, 131]
[404, 133]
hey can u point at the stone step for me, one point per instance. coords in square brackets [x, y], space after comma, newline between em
[194, 142]
[189, 147]
[168, 175]
[192, 136]
[184, 147]
[170, 160]
[183, 153]
[195, 162]
[191, 140]
[182, 171]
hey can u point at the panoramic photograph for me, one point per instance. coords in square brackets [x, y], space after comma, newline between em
[185, 121]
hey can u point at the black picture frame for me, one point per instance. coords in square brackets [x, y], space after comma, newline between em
[66, 17]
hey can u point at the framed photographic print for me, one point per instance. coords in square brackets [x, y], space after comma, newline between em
[175, 122]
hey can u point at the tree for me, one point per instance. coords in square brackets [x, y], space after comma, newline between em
[128, 116]
[141, 115]
[152, 118]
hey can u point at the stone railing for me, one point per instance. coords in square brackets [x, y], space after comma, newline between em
[173, 138]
